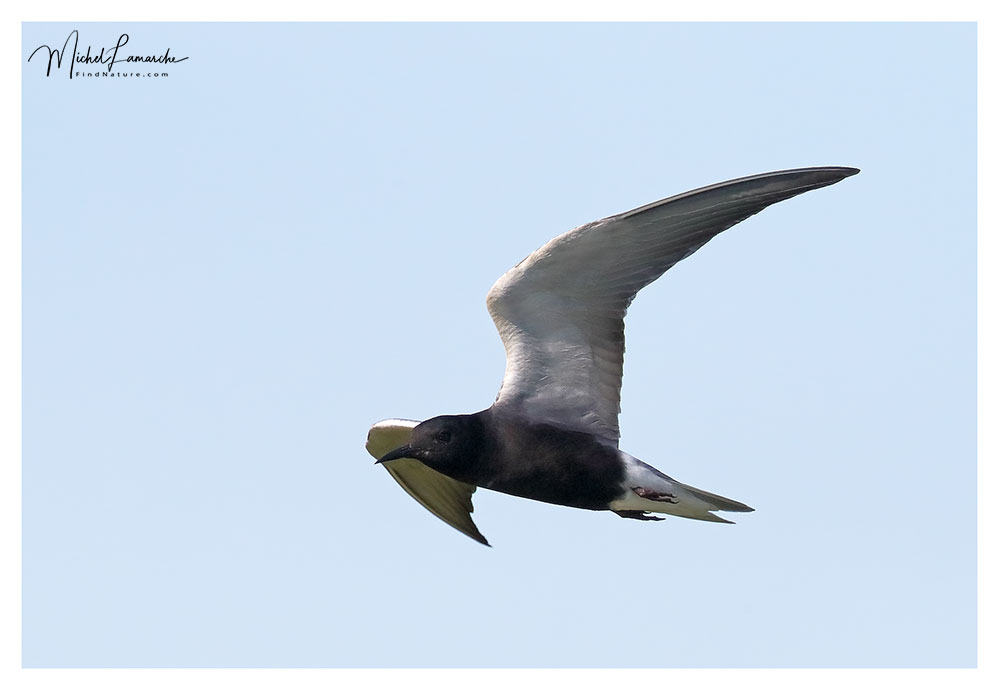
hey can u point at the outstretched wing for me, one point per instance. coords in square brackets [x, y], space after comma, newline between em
[560, 311]
[448, 499]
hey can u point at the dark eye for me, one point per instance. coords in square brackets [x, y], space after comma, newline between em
[443, 436]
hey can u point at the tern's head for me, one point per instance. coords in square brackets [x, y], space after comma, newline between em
[445, 443]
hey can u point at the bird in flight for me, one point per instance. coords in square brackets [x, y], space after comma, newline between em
[552, 433]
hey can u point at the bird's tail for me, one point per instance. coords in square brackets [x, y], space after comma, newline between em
[649, 490]
[697, 504]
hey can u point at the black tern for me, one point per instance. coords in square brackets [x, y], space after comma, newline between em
[552, 433]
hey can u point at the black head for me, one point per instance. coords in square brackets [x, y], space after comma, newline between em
[447, 444]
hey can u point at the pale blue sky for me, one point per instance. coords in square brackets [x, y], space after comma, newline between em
[230, 273]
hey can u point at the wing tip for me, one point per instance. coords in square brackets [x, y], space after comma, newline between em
[473, 534]
[838, 173]
[822, 176]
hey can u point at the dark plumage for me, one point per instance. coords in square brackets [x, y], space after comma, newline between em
[553, 465]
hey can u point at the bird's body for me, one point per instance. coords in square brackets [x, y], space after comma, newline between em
[552, 434]
[553, 465]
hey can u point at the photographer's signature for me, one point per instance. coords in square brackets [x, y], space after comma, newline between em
[106, 57]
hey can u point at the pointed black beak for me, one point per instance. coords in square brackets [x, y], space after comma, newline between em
[400, 452]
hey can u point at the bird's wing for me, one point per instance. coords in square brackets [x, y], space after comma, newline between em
[447, 498]
[560, 311]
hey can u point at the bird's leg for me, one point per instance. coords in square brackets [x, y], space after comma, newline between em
[637, 515]
[654, 495]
